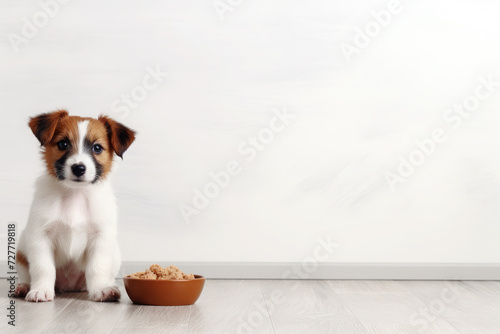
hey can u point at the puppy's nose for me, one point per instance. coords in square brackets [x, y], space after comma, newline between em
[78, 169]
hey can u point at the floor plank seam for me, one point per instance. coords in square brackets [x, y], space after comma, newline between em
[123, 308]
[267, 308]
[342, 301]
[189, 318]
[117, 320]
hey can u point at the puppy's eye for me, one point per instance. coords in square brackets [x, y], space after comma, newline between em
[63, 144]
[97, 148]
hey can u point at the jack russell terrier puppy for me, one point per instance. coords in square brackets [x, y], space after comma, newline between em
[70, 241]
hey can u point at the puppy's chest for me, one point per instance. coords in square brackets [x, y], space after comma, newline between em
[73, 225]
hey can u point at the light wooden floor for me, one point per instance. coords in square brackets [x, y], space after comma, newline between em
[269, 306]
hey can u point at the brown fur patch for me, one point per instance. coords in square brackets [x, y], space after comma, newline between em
[21, 259]
[119, 135]
[44, 125]
[97, 134]
[67, 129]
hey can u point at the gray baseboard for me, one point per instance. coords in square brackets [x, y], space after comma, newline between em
[356, 271]
[299, 270]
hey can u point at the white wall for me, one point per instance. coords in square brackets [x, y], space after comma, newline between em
[323, 175]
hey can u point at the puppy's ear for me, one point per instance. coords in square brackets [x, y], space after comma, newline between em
[44, 125]
[120, 137]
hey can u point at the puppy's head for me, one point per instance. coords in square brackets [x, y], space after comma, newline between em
[79, 150]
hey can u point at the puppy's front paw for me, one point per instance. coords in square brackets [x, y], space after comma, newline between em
[22, 290]
[109, 294]
[40, 296]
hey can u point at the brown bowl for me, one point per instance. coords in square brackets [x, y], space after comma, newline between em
[164, 292]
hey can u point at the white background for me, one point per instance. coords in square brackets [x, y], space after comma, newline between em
[323, 175]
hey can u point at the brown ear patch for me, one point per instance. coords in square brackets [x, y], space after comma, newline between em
[44, 125]
[120, 137]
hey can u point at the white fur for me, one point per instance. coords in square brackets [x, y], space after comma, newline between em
[70, 224]
[81, 157]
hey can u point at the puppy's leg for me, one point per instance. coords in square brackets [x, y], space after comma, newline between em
[22, 267]
[102, 267]
[42, 271]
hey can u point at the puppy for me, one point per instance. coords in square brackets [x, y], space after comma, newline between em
[69, 243]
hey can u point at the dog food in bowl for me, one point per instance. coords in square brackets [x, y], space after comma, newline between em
[163, 286]
[158, 272]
